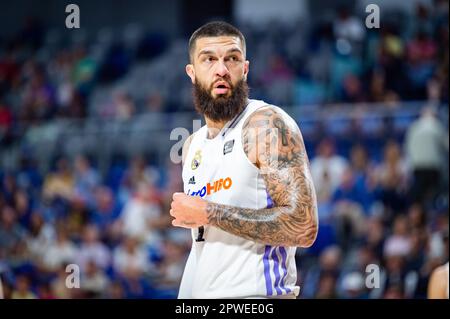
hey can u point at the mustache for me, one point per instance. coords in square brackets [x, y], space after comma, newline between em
[228, 81]
[221, 108]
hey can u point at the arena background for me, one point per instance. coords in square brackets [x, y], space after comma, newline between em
[86, 116]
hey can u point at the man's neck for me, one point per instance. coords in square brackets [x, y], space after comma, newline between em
[214, 128]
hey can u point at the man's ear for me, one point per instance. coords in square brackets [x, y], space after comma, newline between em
[191, 72]
[246, 69]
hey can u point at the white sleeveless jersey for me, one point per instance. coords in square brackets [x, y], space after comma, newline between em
[225, 265]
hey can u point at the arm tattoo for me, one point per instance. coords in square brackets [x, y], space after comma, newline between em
[274, 143]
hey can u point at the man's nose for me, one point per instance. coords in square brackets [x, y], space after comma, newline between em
[222, 69]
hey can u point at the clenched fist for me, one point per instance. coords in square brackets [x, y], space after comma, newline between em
[189, 211]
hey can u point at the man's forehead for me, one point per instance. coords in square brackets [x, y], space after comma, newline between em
[218, 43]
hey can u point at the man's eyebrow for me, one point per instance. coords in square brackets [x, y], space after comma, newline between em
[232, 50]
[205, 52]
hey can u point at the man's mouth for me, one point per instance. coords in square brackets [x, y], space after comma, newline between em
[221, 87]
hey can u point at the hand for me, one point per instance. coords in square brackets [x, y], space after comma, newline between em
[189, 211]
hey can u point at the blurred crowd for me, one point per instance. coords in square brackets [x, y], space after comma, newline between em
[386, 206]
[116, 230]
[391, 212]
[319, 60]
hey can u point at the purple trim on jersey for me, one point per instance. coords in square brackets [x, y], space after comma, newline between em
[276, 271]
[283, 266]
[267, 270]
[266, 256]
[269, 201]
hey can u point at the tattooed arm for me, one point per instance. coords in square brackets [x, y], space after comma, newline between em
[273, 142]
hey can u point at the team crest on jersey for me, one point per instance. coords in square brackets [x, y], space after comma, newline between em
[228, 147]
[196, 160]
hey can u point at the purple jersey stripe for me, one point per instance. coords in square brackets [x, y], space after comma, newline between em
[267, 271]
[269, 201]
[276, 271]
[283, 266]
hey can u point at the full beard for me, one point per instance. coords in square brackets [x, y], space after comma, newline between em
[221, 108]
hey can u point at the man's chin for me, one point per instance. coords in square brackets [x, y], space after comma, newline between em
[221, 96]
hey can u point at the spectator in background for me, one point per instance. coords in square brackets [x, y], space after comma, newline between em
[329, 268]
[9, 188]
[28, 176]
[86, 179]
[44, 291]
[278, 80]
[5, 290]
[59, 252]
[91, 248]
[115, 291]
[84, 70]
[22, 206]
[391, 177]
[349, 221]
[58, 284]
[327, 170]
[41, 237]
[420, 65]
[397, 281]
[375, 236]
[130, 258]
[124, 106]
[362, 168]
[378, 90]
[59, 184]
[105, 214]
[388, 75]
[6, 121]
[137, 172]
[348, 26]
[141, 216]
[427, 145]
[327, 287]
[353, 286]
[171, 267]
[11, 233]
[9, 69]
[38, 97]
[93, 282]
[400, 237]
[353, 91]
[60, 72]
[22, 288]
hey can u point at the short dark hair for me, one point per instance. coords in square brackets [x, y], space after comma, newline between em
[215, 29]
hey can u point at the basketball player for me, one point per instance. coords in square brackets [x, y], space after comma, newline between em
[438, 285]
[248, 194]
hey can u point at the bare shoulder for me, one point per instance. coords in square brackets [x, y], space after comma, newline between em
[270, 132]
[270, 116]
[186, 145]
